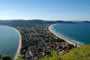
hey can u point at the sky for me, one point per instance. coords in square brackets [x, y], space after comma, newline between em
[45, 9]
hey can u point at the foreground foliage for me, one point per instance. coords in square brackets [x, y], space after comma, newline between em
[80, 53]
[53, 57]
[19, 58]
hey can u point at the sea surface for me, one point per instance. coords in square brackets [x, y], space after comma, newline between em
[79, 32]
[9, 41]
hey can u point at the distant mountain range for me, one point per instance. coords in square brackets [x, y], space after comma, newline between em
[37, 22]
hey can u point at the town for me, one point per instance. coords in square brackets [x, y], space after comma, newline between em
[38, 42]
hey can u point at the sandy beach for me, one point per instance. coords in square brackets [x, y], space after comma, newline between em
[73, 42]
[19, 46]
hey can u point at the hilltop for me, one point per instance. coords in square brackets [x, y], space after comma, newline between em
[80, 53]
[38, 21]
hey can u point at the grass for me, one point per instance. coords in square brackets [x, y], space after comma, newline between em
[80, 53]
[53, 57]
[19, 58]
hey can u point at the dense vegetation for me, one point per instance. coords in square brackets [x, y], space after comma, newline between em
[19, 58]
[53, 57]
[80, 53]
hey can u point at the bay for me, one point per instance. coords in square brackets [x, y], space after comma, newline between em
[9, 41]
[79, 32]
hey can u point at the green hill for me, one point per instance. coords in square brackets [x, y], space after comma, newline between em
[53, 57]
[80, 53]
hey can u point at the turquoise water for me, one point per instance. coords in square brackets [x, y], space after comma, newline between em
[9, 40]
[78, 32]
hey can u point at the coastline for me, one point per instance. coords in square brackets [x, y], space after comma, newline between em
[73, 42]
[19, 46]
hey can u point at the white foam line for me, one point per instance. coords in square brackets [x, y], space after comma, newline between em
[20, 42]
[19, 46]
[73, 42]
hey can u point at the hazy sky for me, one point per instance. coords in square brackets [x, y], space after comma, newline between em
[45, 9]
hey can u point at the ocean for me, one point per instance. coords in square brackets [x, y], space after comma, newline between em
[9, 41]
[79, 32]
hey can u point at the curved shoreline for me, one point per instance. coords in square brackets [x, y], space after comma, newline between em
[19, 45]
[73, 42]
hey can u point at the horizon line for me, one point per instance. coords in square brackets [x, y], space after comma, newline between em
[48, 19]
